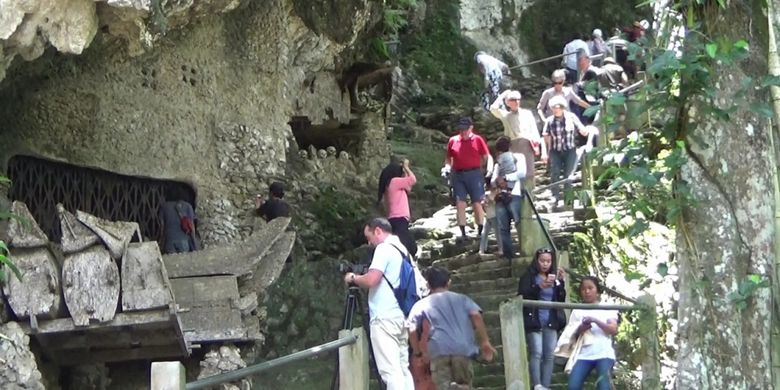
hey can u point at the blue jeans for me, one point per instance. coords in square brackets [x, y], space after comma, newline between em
[541, 345]
[562, 165]
[490, 224]
[505, 214]
[582, 369]
[178, 246]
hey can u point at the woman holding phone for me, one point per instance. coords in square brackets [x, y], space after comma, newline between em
[540, 282]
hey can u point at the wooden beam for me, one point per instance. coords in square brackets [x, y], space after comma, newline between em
[77, 357]
[237, 259]
[156, 318]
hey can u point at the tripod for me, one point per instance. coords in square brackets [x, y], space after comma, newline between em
[351, 305]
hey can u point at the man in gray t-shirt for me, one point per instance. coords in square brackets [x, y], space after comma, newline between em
[454, 319]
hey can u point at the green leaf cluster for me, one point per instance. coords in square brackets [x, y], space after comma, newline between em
[746, 289]
[5, 254]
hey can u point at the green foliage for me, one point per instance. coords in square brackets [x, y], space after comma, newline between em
[339, 216]
[440, 57]
[746, 289]
[5, 254]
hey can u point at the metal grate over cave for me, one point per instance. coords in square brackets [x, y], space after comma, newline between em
[41, 184]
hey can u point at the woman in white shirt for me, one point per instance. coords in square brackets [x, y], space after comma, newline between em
[599, 353]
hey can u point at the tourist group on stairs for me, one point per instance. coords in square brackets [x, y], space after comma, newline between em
[431, 345]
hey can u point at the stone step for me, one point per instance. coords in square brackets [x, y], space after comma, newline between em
[484, 264]
[490, 301]
[490, 381]
[485, 369]
[490, 274]
[481, 286]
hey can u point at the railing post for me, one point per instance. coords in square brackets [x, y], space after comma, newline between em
[513, 342]
[168, 376]
[648, 337]
[353, 361]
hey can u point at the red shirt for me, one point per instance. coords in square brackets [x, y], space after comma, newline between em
[466, 153]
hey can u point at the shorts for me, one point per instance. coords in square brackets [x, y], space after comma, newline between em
[469, 183]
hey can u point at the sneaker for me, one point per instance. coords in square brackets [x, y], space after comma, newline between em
[540, 387]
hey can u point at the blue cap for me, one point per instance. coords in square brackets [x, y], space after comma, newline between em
[464, 123]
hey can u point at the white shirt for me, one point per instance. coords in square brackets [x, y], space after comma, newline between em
[601, 346]
[491, 64]
[519, 124]
[570, 61]
[387, 259]
[517, 176]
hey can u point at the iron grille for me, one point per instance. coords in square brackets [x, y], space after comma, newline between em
[41, 184]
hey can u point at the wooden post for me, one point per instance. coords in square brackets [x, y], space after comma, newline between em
[353, 361]
[648, 336]
[168, 376]
[563, 261]
[513, 342]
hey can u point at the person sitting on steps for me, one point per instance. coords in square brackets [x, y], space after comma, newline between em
[275, 206]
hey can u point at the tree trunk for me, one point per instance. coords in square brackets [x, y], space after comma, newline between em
[38, 293]
[90, 281]
[728, 234]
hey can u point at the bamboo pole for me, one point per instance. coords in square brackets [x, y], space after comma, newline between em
[774, 69]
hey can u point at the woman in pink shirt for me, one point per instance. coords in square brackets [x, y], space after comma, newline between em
[397, 185]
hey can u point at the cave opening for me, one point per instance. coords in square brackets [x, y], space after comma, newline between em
[343, 137]
[41, 184]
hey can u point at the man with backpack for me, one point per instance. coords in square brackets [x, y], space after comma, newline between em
[454, 320]
[392, 291]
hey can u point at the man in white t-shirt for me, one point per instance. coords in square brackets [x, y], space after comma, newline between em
[388, 334]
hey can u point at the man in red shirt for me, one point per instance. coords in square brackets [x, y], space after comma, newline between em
[465, 154]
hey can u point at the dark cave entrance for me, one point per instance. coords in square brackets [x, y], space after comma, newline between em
[41, 184]
[331, 133]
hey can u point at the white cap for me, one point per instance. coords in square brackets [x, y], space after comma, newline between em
[514, 95]
[597, 33]
[557, 101]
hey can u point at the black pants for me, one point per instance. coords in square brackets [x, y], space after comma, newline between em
[401, 229]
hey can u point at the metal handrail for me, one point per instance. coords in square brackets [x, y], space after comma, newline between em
[593, 57]
[583, 306]
[254, 369]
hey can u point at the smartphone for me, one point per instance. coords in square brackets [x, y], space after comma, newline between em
[551, 277]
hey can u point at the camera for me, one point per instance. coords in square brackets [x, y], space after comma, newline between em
[358, 269]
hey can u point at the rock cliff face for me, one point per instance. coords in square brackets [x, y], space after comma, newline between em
[208, 104]
[492, 25]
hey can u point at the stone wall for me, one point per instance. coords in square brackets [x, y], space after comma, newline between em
[209, 105]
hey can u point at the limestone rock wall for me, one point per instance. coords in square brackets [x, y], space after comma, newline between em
[492, 25]
[18, 370]
[208, 105]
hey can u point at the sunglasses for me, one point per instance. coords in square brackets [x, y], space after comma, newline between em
[558, 82]
[544, 250]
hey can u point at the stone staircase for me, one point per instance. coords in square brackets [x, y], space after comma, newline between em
[490, 280]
